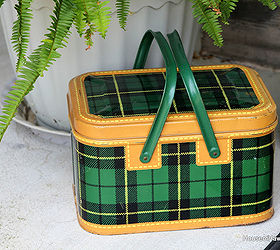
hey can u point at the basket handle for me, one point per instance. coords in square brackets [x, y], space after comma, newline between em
[168, 92]
[194, 94]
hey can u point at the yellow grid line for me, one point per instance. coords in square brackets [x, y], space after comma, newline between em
[100, 157]
[126, 196]
[175, 210]
[80, 192]
[169, 154]
[158, 90]
[179, 182]
[231, 187]
[175, 154]
[118, 93]
[224, 93]
[254, 148]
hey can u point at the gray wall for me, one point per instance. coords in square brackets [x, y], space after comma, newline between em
[253, 35]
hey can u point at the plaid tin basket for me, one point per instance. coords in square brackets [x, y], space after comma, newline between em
[148, 157]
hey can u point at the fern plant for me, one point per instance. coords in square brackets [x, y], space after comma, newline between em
[89, 17]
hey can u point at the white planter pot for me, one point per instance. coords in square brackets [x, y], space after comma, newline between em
[117, 51]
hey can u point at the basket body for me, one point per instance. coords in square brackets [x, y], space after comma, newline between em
[181, 188]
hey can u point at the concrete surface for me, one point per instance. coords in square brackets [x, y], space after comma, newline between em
[37, 207]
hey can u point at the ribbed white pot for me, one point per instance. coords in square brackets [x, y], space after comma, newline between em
[117, 51]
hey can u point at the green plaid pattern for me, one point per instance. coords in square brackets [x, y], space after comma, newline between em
[108, 194]
[135, 95]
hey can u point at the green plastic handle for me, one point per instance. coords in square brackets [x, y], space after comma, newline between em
[168, 92]
[194, 94]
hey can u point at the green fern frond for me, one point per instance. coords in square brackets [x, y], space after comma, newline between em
[101, 17]
[39, 60]
[21, 28]
[209, 20]
[96, 18]
[1, 2]
[211, 3]
[86, 28]
[277, 2]
[79, 22]
[227, 7]
[269, 3]
[122, 12]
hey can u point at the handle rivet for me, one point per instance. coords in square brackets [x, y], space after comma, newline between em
[215, 153]
[145, 158]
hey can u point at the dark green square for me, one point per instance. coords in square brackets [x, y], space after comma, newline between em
[91, 176]
[92, 194]
[213, 189]
[196, 173]
[161, 192]
[213, 201]
[144, 193]
[89, 150]
[144, 177]
[197, 190]
[108, 195]
[107, 152]
[147, 217]
[213, 212]
[249, 209]
[108, 163]
[213, 172]
[161, 175]
[109, 220]
[249, 185]
[107, 177]
[264, 165]
[196, 213]
[264, 183]
[161, 216]
[145, 206]
[249, 167]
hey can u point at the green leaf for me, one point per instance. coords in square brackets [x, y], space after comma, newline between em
[269, 3]
[122, 12]
[226, 8]
[209, 20]
[1, 2]
[39, 61]
[21, 28]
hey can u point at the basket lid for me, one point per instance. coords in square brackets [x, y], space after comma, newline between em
[115, 105]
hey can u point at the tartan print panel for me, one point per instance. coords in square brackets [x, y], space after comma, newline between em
[129, 95]
[108, 194]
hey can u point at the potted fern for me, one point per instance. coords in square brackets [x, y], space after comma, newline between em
[109, 18]
[89, 17]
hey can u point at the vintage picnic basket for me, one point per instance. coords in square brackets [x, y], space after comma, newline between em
[144, 161]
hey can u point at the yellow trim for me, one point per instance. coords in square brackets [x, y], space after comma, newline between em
[203, 158]
[124, 142]
[114, 120]
[221, 87]
[118, 93]
[175, 225]
[133, 157]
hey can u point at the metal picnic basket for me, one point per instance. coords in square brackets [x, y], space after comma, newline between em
[146, 156]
